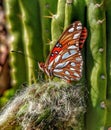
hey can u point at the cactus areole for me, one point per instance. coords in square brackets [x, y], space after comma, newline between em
[65, 60]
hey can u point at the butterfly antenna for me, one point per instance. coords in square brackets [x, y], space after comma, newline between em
[20, 52]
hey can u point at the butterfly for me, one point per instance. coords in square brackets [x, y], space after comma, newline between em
[65, 60]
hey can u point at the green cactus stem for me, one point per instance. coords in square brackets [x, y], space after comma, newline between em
[79, 11]
[32, 35]
[96, 65]
[108, 32]
[108, 20]
[68, 13]
[17, 62]
[57, 24]
[79, 14]
[46, 8]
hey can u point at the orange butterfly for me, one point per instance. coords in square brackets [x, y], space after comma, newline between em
[65, 60]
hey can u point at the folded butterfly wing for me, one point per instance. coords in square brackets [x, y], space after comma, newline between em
[65, 60]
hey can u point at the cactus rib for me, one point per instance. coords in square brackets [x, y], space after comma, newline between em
[108, 32]
[96, 70]
[58, 22]
[46, 7]
[32, 35]
[68, 14]
[17, 62]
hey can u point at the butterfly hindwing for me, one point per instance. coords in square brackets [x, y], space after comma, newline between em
[68, 64]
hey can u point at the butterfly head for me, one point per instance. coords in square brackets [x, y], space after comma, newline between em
[41, 66]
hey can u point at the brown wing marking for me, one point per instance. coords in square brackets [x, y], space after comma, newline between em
[69, 72]
[66, 39]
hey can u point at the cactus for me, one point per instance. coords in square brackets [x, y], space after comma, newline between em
[17, 62]
[31, 35]
[68, 13]
[98, 116]
[31, 20]
[47, 8]
[57, 24]
[108, 53]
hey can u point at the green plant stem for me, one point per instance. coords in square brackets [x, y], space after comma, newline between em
[79, 10]
[17, 62]
[32, 35]
[108, 20]
[57, 24]
[46, 7]
[96, 70]
[108, 32]
[68, 14]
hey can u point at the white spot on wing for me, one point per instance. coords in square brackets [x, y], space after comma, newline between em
[76, 74]
[76, 35]
[81, 65]
[80, 70]
[73, 52]
[72, 69]
[71, 30]
[79, 59]
[67, 73]
[61, 65]
[57, 70]
[79, 23]
[73, 64]
[67, 54]
[77, 44]
[72, 47]
[57, 58]
[79, 27]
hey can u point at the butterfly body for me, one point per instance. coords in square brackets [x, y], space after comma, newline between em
[65, 60]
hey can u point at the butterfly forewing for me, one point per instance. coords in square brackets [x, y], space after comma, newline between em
[69, 37]
[65, 60]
